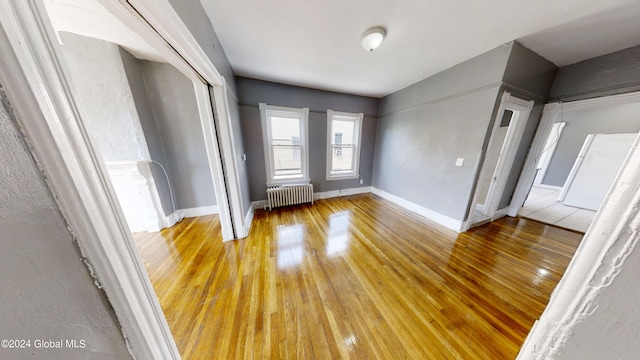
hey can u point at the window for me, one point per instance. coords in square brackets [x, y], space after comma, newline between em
[284, 132]
[343, 145]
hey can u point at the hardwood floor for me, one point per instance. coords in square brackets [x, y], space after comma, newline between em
[354, 278]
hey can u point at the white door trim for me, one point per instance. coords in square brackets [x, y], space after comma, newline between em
[213, 153]
[528, 174]
[41, 96]
[230, 160]
[550, 116]
[167, 29]
[163, 18]
[511, 143]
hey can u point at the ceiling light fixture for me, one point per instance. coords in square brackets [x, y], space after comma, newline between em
[372, 38]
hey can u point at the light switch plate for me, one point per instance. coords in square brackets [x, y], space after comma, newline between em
[459, 161]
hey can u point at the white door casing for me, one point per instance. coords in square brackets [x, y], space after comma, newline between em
[521, 110]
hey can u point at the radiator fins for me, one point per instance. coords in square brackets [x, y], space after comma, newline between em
[289, 195]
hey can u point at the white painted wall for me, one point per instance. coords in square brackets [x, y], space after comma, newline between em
[46, 291]
[104, 95]
[612, 331]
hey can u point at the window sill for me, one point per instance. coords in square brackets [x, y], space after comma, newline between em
[345, 177]
[289, 182]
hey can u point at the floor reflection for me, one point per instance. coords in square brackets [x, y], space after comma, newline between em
[290, 245]
[338, 236]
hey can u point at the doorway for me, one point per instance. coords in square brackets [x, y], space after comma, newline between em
[575, 158]
[34, 70]
[506, 135]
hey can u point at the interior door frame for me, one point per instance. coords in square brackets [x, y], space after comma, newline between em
[552, 112]
[509, 148]
[161, 17]
[35, 81]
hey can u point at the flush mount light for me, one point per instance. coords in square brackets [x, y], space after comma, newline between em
[372, 38]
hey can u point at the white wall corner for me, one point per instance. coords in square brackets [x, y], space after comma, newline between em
[450, 223]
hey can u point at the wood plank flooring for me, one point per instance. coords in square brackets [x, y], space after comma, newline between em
[355, 277]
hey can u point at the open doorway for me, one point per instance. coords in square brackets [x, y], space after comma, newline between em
[580, 148]
[506, 135]
[142, 115]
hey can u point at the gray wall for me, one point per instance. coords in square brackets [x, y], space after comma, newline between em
[251, 92]
[149, 127]
[423, 128]
[528, 76]
[615, 73]
[47, 291]
[175, 110]
[101, 85]
[612, 119]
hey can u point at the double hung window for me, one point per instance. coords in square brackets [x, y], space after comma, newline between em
[343, 145]
[285, 135]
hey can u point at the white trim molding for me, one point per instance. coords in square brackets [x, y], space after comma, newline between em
[200, 211]
[528, 174]
[39, 90]
[613, 235]
[248, 219]
[214, 157]
[342, 192]
[163, 18]
[510, 146]
[229, 157]
[453, 224]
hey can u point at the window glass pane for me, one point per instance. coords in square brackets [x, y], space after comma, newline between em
[287, 161]
[343, 130]
[285, 131]
[342, 159]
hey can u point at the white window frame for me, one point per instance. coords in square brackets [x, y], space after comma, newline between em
[266, 111]
[357, 137]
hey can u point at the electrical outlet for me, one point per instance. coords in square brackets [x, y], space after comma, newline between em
[361, 181]
[459, 161]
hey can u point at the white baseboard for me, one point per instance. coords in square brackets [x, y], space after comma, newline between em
[260, 204]
[173, 218]
[341, 192]
[248, 219]
[200, 211]
[551, 187]
[453, 224]
[177, 216]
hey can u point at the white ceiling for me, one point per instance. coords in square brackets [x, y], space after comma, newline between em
[316, 43]
[89, 18]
